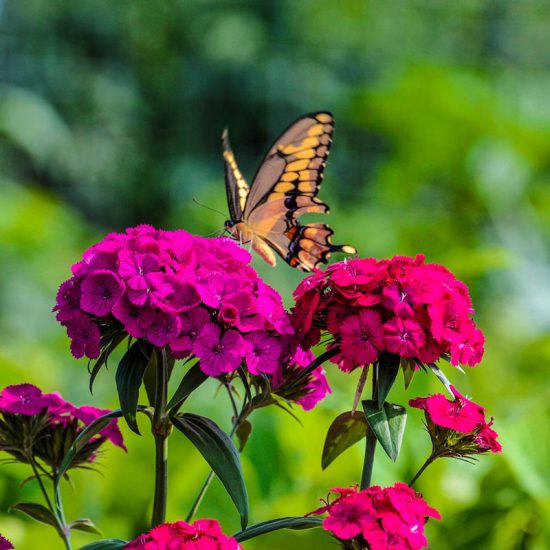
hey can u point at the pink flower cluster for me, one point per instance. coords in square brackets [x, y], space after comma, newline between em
[28, 400]
[195, 295]
[5, 544]
[449, 419]
[204, 534]
[403, 306]
[382, 517]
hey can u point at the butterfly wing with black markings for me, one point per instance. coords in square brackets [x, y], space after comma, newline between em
[285, 187]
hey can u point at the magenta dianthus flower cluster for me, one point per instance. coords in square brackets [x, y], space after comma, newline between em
[5, 544]
[380, 517]
[193, 295]
[457, 427]
[403, 306]
[29, 401]
[203, 534]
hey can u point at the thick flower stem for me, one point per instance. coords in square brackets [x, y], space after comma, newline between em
[370, 445]
[161, 430]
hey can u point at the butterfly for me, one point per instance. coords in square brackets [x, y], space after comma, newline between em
[265, 214]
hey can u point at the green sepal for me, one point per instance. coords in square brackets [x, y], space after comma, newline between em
[345, 431]
[408, 367]
[243, 433]
[276, 524]
[387, 424]
[221, 454]
[129, 377]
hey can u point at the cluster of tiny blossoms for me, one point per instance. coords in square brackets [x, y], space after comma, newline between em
[204, 534]
[194, 295]
[457, 427]
[5, 544]
[403, 306]
[380, 517]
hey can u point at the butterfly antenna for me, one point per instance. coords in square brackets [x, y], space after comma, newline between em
[209, 208]
[217, 233]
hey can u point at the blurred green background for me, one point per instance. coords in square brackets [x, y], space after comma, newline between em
[111, 115]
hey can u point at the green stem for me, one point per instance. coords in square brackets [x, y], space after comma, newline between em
[370, 444]
[429, 460]
[161, 431]
[62, 529]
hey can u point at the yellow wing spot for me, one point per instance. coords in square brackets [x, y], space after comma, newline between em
[308, 175]
[304, 144]
[349, 249]
[316, 130]
[307, 187]
[298, 165]
[323, 117]
[289, 176]
[306, 154]
[284, 186]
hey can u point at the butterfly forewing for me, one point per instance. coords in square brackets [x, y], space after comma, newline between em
[235, 184]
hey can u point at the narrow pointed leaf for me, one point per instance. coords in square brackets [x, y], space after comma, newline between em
[388, 367]
[387, 424]
[107, 544]
[442, 378]
[219, 451]
[193, 378]
[37, 512]
[346, 430]
[86, 525]
[275, 525]
[103, 358]
[408, 366]
[129, 376]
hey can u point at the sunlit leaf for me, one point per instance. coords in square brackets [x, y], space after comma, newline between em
[86, 525]
[388, 424]
[347, 429]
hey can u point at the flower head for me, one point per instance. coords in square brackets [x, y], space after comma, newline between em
[402, 306]
[457, 427]
[187, 294]
[378, 517]
[203, 534]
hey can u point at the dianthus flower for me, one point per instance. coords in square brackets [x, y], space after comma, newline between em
[378, 518]
[5, 544]
[188, 294]
[457, 427]
[203, 534]
[42, 425]
[403, 306]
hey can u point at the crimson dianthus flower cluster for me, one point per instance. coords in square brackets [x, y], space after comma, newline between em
[403, 306]
[194, 295]
[45, 425]
[203, 534]
[5, 544]
[380, 517]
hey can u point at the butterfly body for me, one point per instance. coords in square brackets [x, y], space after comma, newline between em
[285, 187]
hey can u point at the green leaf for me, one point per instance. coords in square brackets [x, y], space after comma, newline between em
[346, 430]
[388, 367]
[37, 512]
[387, 424]
[86, 525]
[193, 378]
[107, 544]
[243, 433]
[219, 451]
[129, 376]
[276, 524]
